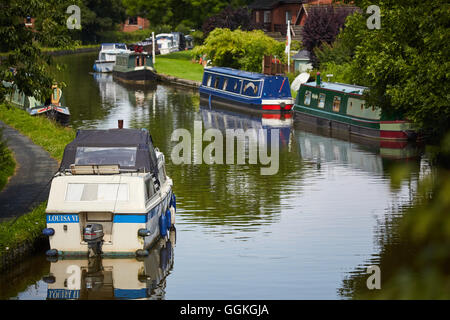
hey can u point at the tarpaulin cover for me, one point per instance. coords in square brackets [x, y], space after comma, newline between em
[108, 144]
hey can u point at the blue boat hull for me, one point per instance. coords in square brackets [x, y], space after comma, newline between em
[249, 105]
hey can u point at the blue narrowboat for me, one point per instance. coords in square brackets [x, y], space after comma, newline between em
[244, 90]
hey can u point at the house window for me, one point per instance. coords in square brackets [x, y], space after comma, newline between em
[307, 98]
[266, 16]
[336, 103]
[28, 20]
[132, 21]
[321, 100]
[257, 16]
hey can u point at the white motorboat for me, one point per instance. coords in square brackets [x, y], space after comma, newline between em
[107, 56]
[166, 43]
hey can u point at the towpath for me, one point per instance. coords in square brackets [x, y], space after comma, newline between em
[29, 185]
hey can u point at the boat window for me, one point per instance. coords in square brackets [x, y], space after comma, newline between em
[307, 98]
[216, 82]
[250, 88]
[162, 175]
[97, 192]
[336, 103]
[208, 82]
[235, 87]
[123, 156]
[321, 100]
[362, 106]
[224, 87]
[149, 189]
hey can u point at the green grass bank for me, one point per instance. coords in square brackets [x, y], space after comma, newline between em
[7, 163]
[53, 138]
[179, 64]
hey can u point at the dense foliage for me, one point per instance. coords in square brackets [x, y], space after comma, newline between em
[191, 13]
[230, 18]
[239, 49]
[405, 63]
[98, 16]
[23, 44]
[322, 26]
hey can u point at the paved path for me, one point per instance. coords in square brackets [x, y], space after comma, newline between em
[34, 169]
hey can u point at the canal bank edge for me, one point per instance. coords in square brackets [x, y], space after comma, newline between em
[178, 81]
[24, 236]
[61, 52]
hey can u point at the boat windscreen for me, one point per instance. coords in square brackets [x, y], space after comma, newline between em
[123, 156]
[121, 46]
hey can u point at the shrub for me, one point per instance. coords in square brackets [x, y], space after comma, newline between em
[240, 49]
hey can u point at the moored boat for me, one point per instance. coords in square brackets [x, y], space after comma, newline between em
[166, 43]
[342, 106]
[53, 108]
[111, 195]
[134, 67]
[107, 56]
[246, 91]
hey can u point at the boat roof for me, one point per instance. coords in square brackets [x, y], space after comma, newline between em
[145, 157]
[164, 35]
[342, 87]
[112, 43]
[238, 73]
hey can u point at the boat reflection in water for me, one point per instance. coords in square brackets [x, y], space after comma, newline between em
[251, 123]
[130, 102]
[119, 278]
[323, 145]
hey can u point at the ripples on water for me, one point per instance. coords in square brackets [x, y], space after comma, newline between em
[241, 235]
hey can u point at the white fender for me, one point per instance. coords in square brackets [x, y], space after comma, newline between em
[172, 216]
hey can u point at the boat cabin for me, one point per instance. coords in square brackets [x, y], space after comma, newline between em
[245, 84]
[343, 107]
[131, 60]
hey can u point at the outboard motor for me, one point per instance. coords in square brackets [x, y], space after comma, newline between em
[93, 235]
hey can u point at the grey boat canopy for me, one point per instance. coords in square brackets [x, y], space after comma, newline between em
[131, 149]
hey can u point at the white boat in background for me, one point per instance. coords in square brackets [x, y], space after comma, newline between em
[166, 43]
[107, 56]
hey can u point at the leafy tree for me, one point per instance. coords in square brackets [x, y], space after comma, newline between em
[239, 49]
[230, 18]
[23, 44]
[405, 63]
[171, 12]
[98, 16]
[322, 26]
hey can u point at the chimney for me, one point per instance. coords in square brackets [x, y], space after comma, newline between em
[318, 79]
[120, 124]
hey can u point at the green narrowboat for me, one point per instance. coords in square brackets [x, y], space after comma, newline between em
[342, 106]
[134, 67]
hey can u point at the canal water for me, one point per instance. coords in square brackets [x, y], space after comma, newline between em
[299, 234]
